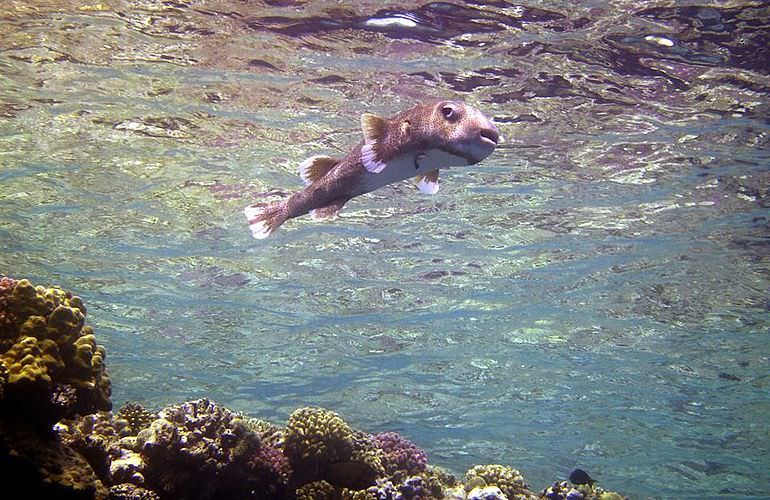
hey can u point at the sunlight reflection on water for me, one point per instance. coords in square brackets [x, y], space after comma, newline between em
[594, 294]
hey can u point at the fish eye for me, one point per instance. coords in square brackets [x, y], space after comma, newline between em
[448, 112]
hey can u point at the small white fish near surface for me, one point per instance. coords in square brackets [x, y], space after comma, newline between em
[414, 143]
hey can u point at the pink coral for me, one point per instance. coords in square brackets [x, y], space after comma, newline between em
[270, 465]
[400, 454]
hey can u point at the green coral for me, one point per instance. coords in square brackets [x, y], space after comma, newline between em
[508, 479]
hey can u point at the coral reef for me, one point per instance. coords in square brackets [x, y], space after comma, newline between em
[201, 450]
[562, 490]
[316, 437]
[566, 490]
[508, 479]
[127, 491]
[317, 490]
[52, 367]
[400, 454]
[49, 360]
[193, 450]
[486, 493]
[321, 446]
[136, 416]
[45, 467]
[412, 488]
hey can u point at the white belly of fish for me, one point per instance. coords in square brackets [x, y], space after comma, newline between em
[409, 166]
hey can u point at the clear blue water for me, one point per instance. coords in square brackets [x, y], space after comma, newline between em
[594, 294]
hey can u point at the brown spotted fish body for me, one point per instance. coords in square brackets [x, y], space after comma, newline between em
[414, 143]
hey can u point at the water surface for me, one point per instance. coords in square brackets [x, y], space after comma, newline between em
[594, 294]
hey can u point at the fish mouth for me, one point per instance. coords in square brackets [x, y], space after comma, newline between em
[489, 136]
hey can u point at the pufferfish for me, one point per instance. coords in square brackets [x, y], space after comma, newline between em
[415, 143]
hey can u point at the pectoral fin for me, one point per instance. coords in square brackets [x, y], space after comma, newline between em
[329, 211]
[374, 129]
[316, 167]
[427, 183]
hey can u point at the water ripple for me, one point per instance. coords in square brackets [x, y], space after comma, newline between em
[595, 291]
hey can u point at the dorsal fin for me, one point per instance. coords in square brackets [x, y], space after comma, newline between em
[316, 167]
[373, 126]
[374, 129]
[427, 183]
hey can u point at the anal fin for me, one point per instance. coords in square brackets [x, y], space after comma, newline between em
[328, 211]
[316, 167]
[427, 183]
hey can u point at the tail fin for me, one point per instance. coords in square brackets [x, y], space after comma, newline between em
[264, 219]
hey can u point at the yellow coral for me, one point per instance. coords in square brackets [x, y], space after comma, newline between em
[31, 360]
[64, 324]
[436, 478]
[81, 364]
[3, 374]
[34, 326]
[26, 301]
[365, 452]
[318, 490]
[611, 495]
[269, 433]
[508, 479]
[44, 340]
[348, 494]
[318, 435]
